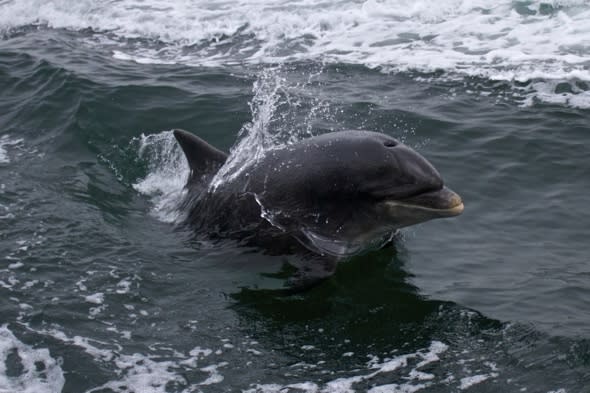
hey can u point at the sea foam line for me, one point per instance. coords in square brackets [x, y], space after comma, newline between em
[138, 372]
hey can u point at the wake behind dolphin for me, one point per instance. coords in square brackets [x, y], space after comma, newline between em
[326, 197]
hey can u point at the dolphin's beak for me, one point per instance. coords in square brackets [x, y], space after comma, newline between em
[442, 202]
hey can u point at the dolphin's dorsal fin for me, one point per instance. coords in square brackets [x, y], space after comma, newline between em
[201, 156]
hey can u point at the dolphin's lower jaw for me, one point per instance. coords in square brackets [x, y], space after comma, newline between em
[427, 206]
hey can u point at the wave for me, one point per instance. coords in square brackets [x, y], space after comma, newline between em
[506, 40]
[538, 42]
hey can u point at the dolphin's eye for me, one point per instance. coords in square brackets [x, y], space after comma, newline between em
[390, 143]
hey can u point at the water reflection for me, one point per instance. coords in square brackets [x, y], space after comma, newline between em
[369, 299]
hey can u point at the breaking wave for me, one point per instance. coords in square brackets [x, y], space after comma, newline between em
[512, 41]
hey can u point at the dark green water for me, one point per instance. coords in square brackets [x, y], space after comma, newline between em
[101, 292]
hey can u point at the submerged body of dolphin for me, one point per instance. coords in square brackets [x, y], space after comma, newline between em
[332, 195]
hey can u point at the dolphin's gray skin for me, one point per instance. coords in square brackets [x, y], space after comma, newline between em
[336, 194]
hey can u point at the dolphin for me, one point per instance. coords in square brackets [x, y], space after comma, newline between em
[327, 197]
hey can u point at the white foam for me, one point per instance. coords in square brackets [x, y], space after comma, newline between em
[436, 348]
[305, 386]
[266, 388]
[198, 352]
[144, 373]
[154, 373]
[16, 265]
[547, 92]
[97, 298]
[123, 286]
[214, 375]
[501, 39]
[396, 388]
[468, 382]
[38, 372]
[80, 284]
[5, 141]
[415, 379]
[168, 172]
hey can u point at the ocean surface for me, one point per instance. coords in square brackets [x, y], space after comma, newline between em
[101, 289]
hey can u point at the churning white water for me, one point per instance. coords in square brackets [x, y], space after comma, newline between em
[501, 40]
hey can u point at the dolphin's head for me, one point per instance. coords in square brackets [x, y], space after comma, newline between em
[349, 189]
[403, 185]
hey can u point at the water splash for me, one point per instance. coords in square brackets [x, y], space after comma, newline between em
[167, 174]
[283, 112]
[256, 136]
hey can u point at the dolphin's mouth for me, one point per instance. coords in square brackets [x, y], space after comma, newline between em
[442, 202]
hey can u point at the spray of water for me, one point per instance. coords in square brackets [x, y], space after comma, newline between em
[283, 112]
[167, 174]
[256, 136]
